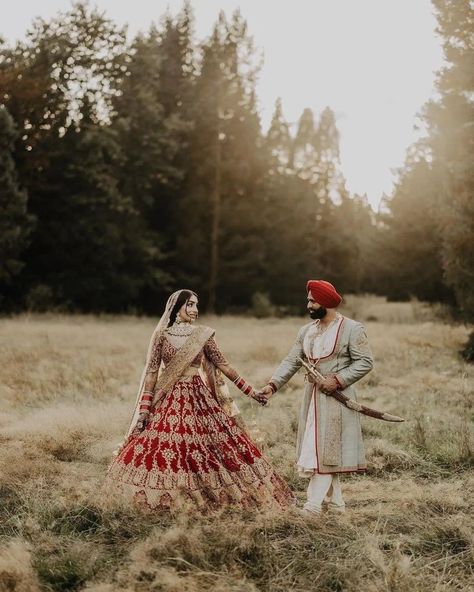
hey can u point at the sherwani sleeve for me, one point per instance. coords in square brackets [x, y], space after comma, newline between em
[361, 357]
[290, 365]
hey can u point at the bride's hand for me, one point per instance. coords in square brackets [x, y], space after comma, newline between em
[141, 423]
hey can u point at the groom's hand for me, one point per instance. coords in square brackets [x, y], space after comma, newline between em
[266, 392]
[329, 384]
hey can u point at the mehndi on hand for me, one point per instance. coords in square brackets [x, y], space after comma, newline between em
[141, 423]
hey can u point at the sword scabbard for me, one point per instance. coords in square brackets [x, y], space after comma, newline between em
[350, 403]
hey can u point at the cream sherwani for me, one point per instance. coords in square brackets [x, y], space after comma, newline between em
[316, 345]
[329, 437]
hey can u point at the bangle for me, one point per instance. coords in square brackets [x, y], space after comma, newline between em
[243, 386]
[273, 386]
[339, 383]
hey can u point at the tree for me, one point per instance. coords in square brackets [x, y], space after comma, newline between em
[76, 59]
[220, 235]
[326, 144]
[451, 138]
[89, 249]
[428, 231]
[153, 119]
[353, 244]
[93, 252]
[278, 141]
[15, 222]
[413, 249]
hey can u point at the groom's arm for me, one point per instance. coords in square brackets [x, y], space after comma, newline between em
[290, 365]
[362, 361]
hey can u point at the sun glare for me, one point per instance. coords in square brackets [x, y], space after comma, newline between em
[371, 61]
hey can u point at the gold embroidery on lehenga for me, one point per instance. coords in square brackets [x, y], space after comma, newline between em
[219, 464]
[191, 448]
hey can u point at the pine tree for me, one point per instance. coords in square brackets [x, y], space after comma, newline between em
[451, 121]
[177, 61]
[316, 163]
[278, 141]
[227, 168]
[154, 121]
[413, 250]
[326, 144]
[93, 252]
[304, 156]
[430, 229]
[151, 135]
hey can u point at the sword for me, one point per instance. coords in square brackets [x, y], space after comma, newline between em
[348, 402]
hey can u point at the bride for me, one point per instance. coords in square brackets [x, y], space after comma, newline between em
[186, 441]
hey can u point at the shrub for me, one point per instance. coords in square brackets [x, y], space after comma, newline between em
[468, 350]
[262, 306]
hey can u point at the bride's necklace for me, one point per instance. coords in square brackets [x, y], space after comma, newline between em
[183, 329]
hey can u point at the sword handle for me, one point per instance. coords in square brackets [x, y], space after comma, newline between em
[311, 369]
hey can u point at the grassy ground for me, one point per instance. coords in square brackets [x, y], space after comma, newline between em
[67, 386]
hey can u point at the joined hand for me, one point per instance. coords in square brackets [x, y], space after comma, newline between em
[259, 397]
[265, 393]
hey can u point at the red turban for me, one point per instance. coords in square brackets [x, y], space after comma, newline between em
[324, 293]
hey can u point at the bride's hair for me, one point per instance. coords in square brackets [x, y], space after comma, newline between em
[182, 299]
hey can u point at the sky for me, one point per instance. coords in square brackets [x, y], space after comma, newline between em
[372, 61]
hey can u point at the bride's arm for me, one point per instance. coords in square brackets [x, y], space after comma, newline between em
[213, 353]
[147, 394]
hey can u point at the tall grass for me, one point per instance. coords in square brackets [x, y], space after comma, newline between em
[67, 385]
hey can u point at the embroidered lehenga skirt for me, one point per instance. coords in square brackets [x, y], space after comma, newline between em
[192, 451]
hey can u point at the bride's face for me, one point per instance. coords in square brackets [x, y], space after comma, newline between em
[189, 311]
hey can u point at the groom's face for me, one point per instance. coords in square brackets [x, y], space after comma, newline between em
[316, 311]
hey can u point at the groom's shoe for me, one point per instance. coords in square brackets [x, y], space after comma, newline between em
[295, 511]
[336, 508]
[312, 508]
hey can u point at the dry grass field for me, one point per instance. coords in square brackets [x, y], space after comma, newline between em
[67, 390]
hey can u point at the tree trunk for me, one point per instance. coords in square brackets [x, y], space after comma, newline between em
[216, 219]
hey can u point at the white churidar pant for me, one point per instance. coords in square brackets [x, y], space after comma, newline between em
[320, 486]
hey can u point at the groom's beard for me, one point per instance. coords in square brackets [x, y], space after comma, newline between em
[319, 313]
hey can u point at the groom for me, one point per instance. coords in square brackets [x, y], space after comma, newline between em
[329, 440]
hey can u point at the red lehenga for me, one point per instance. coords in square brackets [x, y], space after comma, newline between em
[191, 449]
